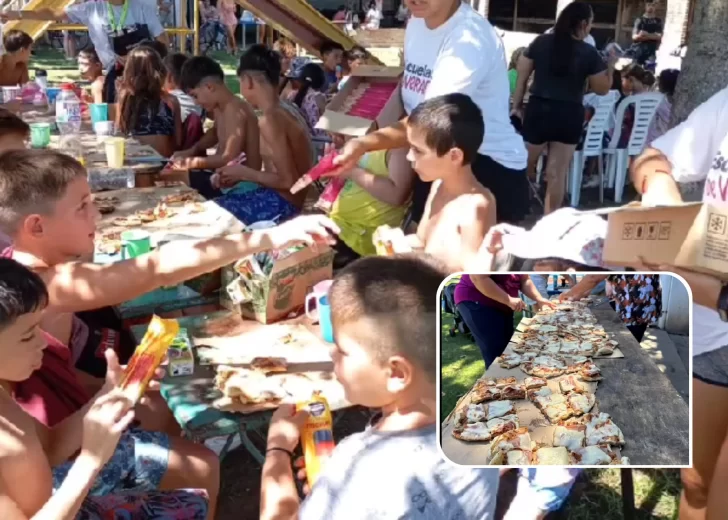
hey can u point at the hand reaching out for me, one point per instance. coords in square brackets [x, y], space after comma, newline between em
[516, 304]
[308, 229]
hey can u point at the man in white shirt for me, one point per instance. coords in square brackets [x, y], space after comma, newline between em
[450, 48]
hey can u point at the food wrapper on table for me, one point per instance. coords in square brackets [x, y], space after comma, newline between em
[369, 100]
[273, 285]
[180, 356]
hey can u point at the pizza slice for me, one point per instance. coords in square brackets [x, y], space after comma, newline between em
[557, 412]
[586, 348]
[570, 384]
[552, 399]
[551, 456]
[269, 365]
[519, 457]
[529, 355]
[590, 372]
[472, 432]
[601, 430]
[509, 360]
[606, 348]
[537, 370]
[249, 386]
[482, 393]
[532, 383]
[569, 347]
[581, 403]
[544, 391]
[571, 437]
[501, 425]
[575, 363]
[594, 456]
[497, 409]
[505, 381]
[553, 347]
[518, 439]
[513, 392]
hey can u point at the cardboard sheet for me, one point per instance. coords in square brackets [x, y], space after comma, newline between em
[539, 427]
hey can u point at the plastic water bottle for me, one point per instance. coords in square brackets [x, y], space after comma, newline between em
[68, 111]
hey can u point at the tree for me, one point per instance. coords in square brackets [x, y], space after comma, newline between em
[704, 69]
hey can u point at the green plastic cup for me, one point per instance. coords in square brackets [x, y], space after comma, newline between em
[135, 242]
[40, 135]
[99, 112]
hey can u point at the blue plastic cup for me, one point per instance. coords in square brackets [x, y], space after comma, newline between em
[52, 93]
[99, 112]
[324, 313]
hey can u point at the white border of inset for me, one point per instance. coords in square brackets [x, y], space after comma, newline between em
[579, 273]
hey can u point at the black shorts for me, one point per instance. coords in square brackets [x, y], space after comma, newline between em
[509, 187]
[549, 121]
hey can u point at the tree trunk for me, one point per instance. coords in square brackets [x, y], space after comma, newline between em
[704, 70]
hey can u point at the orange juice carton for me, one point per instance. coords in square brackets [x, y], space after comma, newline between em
[180, 356]
[317, 437]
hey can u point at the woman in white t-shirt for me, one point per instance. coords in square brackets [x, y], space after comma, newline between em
[450, 48]
[697, 150]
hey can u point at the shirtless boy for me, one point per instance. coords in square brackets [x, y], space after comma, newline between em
[52, 486]
[285, 144]
[90, 68]
[235, 130]
[444, 135]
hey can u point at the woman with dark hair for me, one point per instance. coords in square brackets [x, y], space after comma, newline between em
[561, 63]
[487, 304]
[305, 94]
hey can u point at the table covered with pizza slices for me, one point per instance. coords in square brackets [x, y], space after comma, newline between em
[572, 387]
[243, 370]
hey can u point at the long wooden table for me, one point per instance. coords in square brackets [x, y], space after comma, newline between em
[640, 399]
[191, 398]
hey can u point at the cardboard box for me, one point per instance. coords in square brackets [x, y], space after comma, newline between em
[181, 359]
[273, 295]
[693, 236]
[334, 120]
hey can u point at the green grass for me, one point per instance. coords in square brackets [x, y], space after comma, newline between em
[597, 493]
[60, 69]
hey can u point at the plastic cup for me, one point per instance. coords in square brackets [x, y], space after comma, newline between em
[104, 128]
[134, 243]
[115, 152]
[40, 135]
[99, 112]
[52, 93]
[324, 312]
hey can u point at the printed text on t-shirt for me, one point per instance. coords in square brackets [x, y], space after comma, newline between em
[716, 185]
[417, 78]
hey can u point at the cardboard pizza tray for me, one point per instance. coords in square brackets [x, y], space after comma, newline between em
[521, 327]
[539, 427]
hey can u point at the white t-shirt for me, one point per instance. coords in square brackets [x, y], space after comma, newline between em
[95, 16]
[374, 18]
[698, 150]
[464, 55]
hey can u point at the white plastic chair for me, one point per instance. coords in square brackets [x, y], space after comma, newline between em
[645, 106]
[593, 146]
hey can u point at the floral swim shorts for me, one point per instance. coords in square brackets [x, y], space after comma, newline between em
[180, 504]
[138, 464]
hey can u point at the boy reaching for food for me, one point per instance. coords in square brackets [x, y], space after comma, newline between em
[383, 313]
[70, 470]
[235, 130]
[444, 134]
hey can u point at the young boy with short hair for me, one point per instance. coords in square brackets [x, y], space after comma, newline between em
[174, 63]
[235, 131]
[91, 69]
[14, 132]
[332, 54]
[109, 459]
[383, 311]
[444, 135]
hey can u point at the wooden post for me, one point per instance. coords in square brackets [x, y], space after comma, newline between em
[515, 14]
[183, 23]
[196, 27]
[618, 22]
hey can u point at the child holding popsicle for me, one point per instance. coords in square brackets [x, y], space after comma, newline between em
[383, 315]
